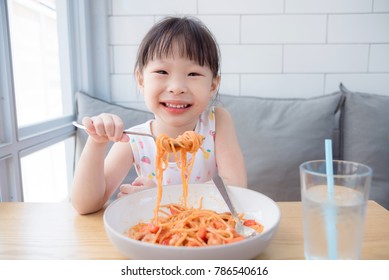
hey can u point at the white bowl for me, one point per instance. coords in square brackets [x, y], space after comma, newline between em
[134, 208]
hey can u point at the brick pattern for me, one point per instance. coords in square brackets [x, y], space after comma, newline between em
[270, 48]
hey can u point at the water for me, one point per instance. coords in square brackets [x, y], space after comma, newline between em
[349, 215]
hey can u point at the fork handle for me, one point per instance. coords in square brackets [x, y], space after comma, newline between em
[138, 133]
[125, 131]
[223, 191]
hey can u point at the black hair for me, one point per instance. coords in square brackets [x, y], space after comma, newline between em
[190, 35]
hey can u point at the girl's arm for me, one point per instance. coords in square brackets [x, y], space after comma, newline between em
[97, 176]
[229, 157]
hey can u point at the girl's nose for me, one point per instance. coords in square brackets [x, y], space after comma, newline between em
[177, 86]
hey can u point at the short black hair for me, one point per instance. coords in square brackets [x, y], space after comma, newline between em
[193, 38]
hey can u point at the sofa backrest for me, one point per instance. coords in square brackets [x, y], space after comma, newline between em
[277, 135]
[365, 137]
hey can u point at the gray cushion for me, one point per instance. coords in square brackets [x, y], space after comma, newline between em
[277, 135]
[91, 106]
[366, 138]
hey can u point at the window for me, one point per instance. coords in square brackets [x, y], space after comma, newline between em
[36, 100]
[48, 181]
[36, 62]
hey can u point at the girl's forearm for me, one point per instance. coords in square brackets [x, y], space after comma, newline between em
[89, 188]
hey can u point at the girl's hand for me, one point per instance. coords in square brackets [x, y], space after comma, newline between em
[140, 183]
[105, 127]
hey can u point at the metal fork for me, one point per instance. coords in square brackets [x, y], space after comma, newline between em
[239, 227]
[124, 131]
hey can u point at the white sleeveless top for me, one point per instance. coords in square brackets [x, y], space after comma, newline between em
[145, 151]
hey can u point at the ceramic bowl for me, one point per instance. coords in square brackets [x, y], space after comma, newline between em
[138, 207]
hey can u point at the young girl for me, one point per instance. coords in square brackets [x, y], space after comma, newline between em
[177, 71]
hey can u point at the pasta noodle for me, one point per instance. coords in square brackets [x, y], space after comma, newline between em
[180, 225]
[189, 142]
[190, 227]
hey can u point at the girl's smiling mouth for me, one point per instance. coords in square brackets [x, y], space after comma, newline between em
[176, 105]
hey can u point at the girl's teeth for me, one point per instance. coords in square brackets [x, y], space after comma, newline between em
[176, 106]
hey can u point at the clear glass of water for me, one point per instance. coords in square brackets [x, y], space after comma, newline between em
[334, 224]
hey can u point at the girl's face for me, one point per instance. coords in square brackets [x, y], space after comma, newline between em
[177, 90]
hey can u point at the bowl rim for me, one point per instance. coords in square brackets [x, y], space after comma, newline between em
[121, 236]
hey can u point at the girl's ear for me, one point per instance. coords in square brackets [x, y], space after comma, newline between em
[139, 80]
[215, 84]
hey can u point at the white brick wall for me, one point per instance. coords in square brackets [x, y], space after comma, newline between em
[325, 58]
[284, 29]
[379, 58]
[364, 28]
[328, 6]
[270, 48]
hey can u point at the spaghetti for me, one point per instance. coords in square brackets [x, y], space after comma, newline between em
[190, 227]
[189, 142]
[180, 225]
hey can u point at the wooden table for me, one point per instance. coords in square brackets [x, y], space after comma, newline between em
[55, 231]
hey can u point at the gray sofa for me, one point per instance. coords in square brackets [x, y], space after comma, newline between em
[277, 135]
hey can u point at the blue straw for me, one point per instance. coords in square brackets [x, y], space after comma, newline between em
[331, 210]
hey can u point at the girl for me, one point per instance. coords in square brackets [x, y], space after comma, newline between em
[177, 71]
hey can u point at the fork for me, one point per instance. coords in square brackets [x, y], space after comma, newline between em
[124, 131]
[243, 230]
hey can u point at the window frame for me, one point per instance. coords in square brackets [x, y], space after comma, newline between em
[78, 64]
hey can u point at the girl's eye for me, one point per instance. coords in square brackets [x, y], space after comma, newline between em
[162, 72]
[193, 74]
